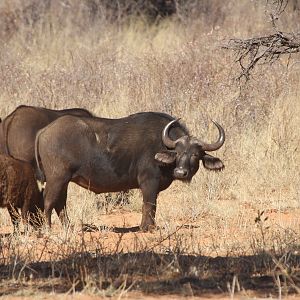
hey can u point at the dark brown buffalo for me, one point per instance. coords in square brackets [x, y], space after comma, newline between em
[18, 130]
[145, 150]
[18, 189]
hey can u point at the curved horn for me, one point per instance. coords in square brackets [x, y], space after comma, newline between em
[165, 135]
[218, 144]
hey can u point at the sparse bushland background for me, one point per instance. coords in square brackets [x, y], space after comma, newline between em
[118, 60]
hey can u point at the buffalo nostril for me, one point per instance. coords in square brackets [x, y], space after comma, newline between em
[182, 173]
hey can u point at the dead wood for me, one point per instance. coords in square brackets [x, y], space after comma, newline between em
[265, 49]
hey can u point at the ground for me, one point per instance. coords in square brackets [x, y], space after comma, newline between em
[168, 263]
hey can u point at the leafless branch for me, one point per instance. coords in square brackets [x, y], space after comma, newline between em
[266, 49]
[277, 6]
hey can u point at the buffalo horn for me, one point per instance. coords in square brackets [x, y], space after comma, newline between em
[218, 144]
[165, 135]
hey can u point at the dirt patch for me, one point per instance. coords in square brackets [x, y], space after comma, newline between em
[113, 258]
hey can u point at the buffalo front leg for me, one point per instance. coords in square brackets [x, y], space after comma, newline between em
[150, 193]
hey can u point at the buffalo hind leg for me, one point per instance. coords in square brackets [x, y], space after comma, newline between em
[14, 216]
[26, 217]
[55, 195]
[61, 207]
[150, 192]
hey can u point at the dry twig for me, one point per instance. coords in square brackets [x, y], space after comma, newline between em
[265, 49]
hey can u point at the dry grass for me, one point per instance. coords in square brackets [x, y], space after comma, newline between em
[64, 59]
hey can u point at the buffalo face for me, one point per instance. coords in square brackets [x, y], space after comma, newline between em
[186, 152]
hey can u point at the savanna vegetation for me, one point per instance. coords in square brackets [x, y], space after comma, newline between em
[231, 232]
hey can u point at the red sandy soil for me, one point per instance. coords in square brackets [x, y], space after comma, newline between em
[130, 241]
[121, 233]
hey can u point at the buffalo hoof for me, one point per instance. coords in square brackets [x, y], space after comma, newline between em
[147, 227]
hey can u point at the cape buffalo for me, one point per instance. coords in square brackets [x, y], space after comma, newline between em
[146, 150]
[19, 189]
[18, 130]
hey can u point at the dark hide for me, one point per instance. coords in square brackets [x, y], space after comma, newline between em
[19, 190]
[18, 130]
[110, 155]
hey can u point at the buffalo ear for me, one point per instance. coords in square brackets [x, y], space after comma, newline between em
[166, 157]
[212, 163]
